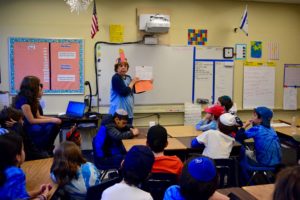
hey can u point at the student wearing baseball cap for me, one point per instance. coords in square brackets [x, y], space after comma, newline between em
[267, 150]
[198, 181]
[218, 143]
[209, 122]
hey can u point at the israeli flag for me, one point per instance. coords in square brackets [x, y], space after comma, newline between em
[244, 22]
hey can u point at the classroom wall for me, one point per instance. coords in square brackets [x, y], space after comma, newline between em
[268, 22]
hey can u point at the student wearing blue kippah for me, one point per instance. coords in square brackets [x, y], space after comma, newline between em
[135, 169]
[122, 88]
[198, 181]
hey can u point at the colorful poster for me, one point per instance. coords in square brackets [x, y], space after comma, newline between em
[116, 33]
[256, 49]
[197, 36]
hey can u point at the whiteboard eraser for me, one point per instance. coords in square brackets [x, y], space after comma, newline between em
[202, 101]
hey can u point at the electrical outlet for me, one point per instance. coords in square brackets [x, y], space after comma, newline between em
[94, 101]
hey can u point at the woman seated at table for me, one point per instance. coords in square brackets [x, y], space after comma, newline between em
[42, 130]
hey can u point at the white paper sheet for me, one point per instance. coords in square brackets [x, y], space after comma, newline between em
[144, 72]
[4, 100]
[290, 98]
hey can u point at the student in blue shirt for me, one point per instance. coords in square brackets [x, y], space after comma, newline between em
[122, 88]
[267, 151]
[210, 120]
[12, 177]
[71, 171]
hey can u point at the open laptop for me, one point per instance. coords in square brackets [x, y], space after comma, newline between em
[74, 110]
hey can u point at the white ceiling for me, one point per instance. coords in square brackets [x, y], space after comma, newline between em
[277, 1]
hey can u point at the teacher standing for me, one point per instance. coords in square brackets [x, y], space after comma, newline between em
[122, 88]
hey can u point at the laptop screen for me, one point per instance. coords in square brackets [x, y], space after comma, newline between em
[75, 109]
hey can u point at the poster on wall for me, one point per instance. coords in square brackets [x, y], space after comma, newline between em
[256, 49]
[57, 62]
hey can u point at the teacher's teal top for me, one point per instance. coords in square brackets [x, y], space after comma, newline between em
[121, 95]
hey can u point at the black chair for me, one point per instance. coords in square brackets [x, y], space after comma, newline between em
[95, 192]
[157, 184]
[227, 169]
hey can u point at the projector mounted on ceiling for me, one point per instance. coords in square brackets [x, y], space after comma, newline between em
[154, 23]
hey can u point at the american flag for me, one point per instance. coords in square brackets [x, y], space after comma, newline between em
[94, 28]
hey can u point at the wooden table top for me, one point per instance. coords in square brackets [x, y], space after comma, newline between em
[174, 144]
[290, 121]
[289, 131]
[37, 173]
[182, 131]
[261, 192]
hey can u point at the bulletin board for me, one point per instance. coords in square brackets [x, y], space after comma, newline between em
[292, 75]
[57, 62]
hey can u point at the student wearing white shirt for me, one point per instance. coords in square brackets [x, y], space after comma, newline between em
[218, 143]
[136, 168]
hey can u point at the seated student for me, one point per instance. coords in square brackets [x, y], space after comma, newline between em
[287, 185]
[198, 181]
[267, 150]
[211, 117]
[157, 140]
[108, 141]
[227, 103]
[218, 143]
[12, 177]
[42, 130]
[71, 171]
[12, 119]
[135, 168]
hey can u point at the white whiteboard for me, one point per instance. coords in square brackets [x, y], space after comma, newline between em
[223, 79]
[172, 71]
[210, 84]
[259, 87]
[292, 75]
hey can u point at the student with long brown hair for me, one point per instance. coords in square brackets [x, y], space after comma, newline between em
[71, 171]
[42, 130]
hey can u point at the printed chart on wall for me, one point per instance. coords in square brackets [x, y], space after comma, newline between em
[259, 85]
[57, 62]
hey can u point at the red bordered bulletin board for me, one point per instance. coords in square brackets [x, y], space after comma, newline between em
[57, 62]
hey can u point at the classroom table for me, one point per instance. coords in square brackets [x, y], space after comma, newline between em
[182, 131]
[288, 131]
[173, 143]
[261, 192]
[290, 121]
[37, 173]
[237, 191]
